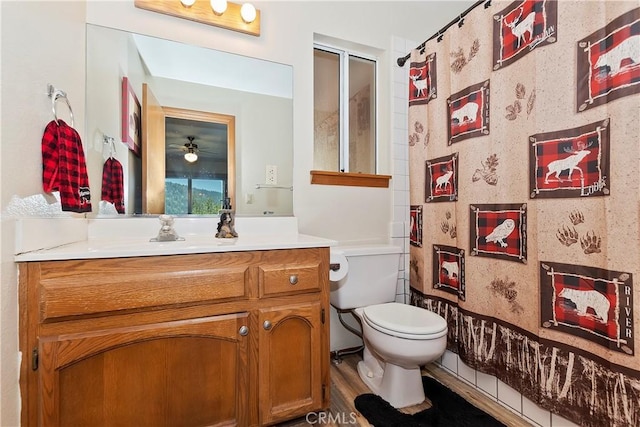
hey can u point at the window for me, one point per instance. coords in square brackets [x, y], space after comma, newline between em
[344, 111]
[193, 196]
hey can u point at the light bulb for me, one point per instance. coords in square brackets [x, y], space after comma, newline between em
[219, 6]
[187, 3]
[248, 13]
[190, 157]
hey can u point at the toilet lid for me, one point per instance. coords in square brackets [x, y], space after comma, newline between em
[405, 319]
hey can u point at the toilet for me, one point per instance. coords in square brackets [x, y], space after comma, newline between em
[398, 338]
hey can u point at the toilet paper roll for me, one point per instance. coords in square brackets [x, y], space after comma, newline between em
[338, 267]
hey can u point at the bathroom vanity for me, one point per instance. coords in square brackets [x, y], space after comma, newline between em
[191, 335]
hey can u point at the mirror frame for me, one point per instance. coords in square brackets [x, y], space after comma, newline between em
[154, 168]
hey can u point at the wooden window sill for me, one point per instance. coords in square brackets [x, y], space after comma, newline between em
[350, 179]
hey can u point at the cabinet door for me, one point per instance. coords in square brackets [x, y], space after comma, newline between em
[188, 373]
[290, 352]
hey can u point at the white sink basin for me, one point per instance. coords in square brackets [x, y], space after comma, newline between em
[129, 246]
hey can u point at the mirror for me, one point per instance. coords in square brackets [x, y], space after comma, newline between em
[199, 162]
[256, 95]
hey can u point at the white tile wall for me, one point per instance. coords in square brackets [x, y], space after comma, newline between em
[488, 384]
[509, 396]
[536, 414]
[466, 373]
[450, 362]
[400, 150]
[558, 421]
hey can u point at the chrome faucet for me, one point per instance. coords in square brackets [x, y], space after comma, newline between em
[166, 233]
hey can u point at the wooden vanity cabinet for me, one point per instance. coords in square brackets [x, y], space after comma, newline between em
[233, 338]
[290, 366]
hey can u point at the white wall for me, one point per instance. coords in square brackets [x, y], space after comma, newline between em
[44, 42]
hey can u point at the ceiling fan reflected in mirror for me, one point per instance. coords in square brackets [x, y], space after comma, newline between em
[191, 148]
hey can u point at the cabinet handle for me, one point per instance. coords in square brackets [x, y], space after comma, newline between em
[243, 331]
[293, 279]
[266, 325]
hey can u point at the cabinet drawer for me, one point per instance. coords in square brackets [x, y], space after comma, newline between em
[290, 272]
[289, 281]
[77, 288]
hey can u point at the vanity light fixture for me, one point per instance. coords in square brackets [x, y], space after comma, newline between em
[243, 18]
[219, 6]
[248, 13]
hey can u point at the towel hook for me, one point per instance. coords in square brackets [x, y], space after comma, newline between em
[112, 144]
[54, 94]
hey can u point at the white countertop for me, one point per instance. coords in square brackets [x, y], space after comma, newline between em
[60, 239]
[193, 244]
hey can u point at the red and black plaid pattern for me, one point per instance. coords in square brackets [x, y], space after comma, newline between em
[570, 162]
[503, 229]
[113, 184]
[422, 81]
[608, 62]
[615, 60]
[64, 168]
[521, 26]
[587, 303]
[441, 179]
[443, 176]
[448, 276]
[448, 270]
[415, 232]
[466, 113]
[579, 157]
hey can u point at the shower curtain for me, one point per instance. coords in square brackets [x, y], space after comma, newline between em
[524, 142]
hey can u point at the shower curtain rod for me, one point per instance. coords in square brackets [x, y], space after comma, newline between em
[401, 61]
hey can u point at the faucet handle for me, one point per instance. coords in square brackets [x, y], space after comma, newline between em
[166, 219]
[166, 233]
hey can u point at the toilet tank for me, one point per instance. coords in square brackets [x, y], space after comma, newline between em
[372, 276]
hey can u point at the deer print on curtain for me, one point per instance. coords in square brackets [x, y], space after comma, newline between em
[531, 256]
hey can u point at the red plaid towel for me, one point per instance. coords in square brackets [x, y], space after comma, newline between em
[64, 168]
[112, 184]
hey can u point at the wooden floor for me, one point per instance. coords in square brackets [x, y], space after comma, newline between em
[346, 385]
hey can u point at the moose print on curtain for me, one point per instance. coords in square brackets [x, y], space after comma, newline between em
[524, 165]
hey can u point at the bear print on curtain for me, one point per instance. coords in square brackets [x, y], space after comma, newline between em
[524, 142]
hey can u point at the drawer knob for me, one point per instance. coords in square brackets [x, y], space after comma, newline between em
[266, 325]
[293, 279]
[244, 331]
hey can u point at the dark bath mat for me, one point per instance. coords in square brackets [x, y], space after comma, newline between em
[449, 410]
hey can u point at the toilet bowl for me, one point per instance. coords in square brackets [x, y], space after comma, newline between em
[398, 338]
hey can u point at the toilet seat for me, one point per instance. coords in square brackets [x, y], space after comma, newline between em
[405, 321]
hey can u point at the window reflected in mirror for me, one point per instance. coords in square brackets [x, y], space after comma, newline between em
[196, 172]
[196, 178]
